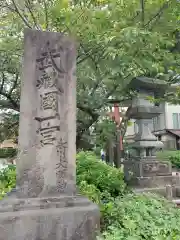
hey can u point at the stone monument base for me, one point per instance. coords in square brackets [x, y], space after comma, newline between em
[51, 218]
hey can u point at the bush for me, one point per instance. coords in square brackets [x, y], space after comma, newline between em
[144, 216]
[7, 179]
[94, 172]
[165, 154]
[175, 160]
[172, 156]
[99, 182]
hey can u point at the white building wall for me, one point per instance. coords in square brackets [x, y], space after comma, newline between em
[130, 129]
[163, 121]
[159, 122]
[169, 110]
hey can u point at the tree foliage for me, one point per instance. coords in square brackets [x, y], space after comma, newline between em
[117, 41]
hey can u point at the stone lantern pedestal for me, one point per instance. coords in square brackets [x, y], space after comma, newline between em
[144, 170]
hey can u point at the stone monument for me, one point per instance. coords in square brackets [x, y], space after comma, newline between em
[145, 170]
[45, 204]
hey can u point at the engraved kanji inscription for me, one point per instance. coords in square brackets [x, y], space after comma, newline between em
[155, 167]
[50, 123]
[50, 79]
[49, 101]
[45, 60]
[52, 58]
[61, 148]
[47, 80]
[61, 166]
[150, 167]
[48, 136]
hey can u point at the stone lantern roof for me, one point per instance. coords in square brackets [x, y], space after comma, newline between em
[150, 84]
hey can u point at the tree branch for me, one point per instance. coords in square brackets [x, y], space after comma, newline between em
[84, 129]
[115, 87]
[20, 15]
[142, 12]
[124, 123]
[2, 83]
[6, 104]
[12, 103]
[87, 110]
[46, 14]
[157, 15]
[28, 5]
[14, 85]
[88, 53]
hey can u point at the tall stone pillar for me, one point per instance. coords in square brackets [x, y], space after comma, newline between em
[47, 132]
[45, 204]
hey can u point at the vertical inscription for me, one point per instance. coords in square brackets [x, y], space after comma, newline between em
[50, 64]
[49, 85]
[49, 101]
[61, 166]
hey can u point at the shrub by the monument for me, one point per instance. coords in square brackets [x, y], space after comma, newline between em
[175, 160]
[94, 178]
[7, 179]
[93, 171]
[145, 216]
[172, 156]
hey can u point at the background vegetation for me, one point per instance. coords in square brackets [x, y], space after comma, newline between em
[124, 215]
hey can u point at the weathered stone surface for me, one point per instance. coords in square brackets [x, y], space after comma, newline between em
[64, 218]
[146, 168]
[151, 182]
[145, 112]
[47, 134]
[45, 205]
[169, 192]
[145, 142]
[148, 173]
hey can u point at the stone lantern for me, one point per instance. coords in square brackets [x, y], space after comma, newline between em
[144, 170]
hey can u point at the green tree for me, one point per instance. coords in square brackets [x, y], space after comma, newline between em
[117, 41]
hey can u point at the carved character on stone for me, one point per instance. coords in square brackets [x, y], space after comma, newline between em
[150, 167]
[48, 136]
[51, 65]
[61, 166]
[50, 78]
[45, 60]
[47, 80]
[49, 101]
[52, 58]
